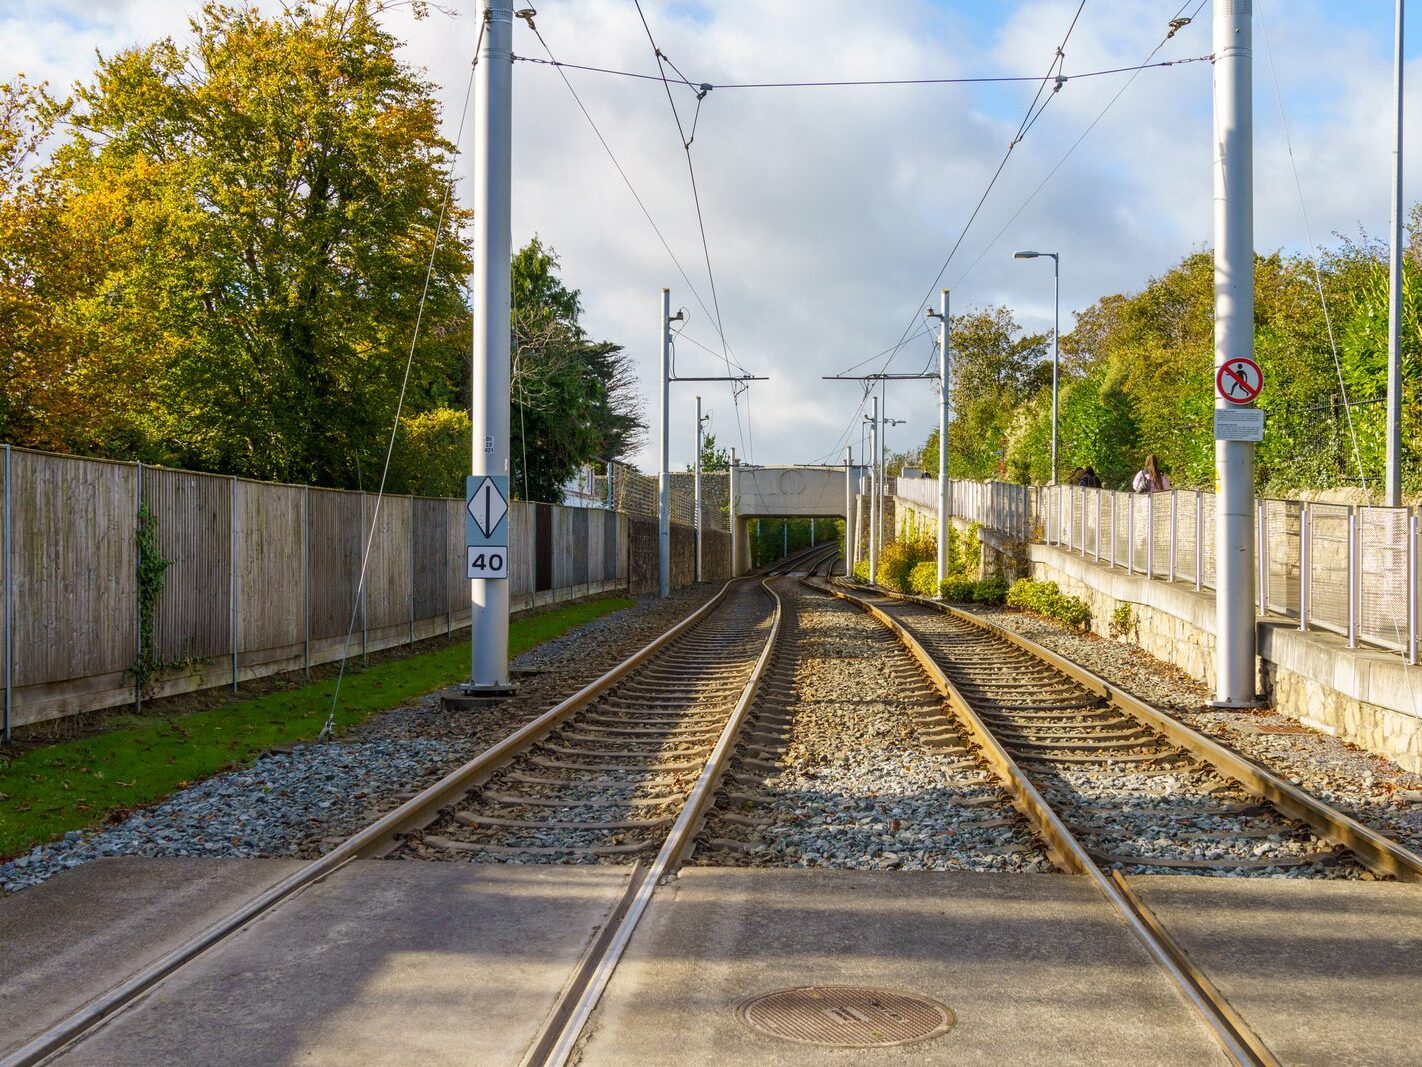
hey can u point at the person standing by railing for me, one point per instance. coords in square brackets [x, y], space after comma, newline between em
[1150, 478]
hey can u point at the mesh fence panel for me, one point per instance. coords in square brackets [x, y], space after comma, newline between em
[1328, 566]
[1207, 540]
[1160, 533]
[1283, 555]
[1382, 556]
[1186, 508]
[1139, 506]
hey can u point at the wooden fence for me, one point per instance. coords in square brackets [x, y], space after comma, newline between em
[262, 577]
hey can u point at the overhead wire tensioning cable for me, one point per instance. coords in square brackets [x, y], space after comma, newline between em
[328, 729]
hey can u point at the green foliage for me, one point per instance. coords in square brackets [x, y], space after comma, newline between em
[223, 264]
[574, 400]
[72, 784]
[713, 457]
[861, 571]
[1046, 599]
[152, 566]
[1123, 622]
[991, 590]
[897, 560]
[923, 579]
[1138, 377]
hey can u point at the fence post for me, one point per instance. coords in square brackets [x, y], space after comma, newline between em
[1352, 577]
[1412, 589]
[413, 574]
[232, 527]
[9, 614]
[138, 589]
[1199, 546]
[1174, 523]
[306, 581]
[360, 590]
[1305, 565]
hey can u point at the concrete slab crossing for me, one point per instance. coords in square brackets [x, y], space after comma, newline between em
[1037, 968]
[384, 962]
[1325, 972]
[419, 963]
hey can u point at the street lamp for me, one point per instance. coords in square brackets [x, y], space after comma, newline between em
[1056, 332]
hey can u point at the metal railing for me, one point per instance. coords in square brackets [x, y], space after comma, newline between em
[1349, 569]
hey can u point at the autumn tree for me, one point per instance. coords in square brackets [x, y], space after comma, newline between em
[265, 199]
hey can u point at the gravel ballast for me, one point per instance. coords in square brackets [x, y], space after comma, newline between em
[851, 761]
[1371, 788]
[299, 802]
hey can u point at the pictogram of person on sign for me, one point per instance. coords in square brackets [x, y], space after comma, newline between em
[1239, 380]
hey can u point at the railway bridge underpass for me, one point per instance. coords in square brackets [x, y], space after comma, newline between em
[787, 492]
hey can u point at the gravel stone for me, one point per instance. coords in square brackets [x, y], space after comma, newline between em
[303, 801]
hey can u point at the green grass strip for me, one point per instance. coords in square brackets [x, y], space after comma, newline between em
[73, 784]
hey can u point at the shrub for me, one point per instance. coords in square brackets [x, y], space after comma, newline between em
[923, 579]
[958, 589]
[991, 590]
[1046, 599]
[861, 571]
[897, 560]
[1122, 622]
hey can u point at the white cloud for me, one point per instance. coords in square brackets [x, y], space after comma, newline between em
[828, 211]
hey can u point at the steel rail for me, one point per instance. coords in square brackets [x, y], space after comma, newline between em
[1377, 852]
[1234, 1036]
[559, 1039]
[376, 839]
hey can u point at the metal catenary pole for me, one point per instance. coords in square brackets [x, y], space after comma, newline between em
[734, 493]
[493, 250]
[874, 493]
[663, 475]
[700, 426]
[943, 516]
[1393, 481]
[1234, 337]
[1056, 351]
[849, 494]
[9, 613]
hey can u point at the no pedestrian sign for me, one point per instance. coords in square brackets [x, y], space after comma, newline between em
[486, 525]
[1239, 380]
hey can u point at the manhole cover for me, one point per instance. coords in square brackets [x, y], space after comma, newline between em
[846, 1016]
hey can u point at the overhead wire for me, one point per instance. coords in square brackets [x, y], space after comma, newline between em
[1055, 77]
[328, 729]
[1313, 253]
[853, 82]
[1176, 24]
[662, 61]
[622, 172]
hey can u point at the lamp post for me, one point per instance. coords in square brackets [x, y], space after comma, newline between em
[1056, 334]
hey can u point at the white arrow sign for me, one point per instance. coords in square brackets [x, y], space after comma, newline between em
[487, 506]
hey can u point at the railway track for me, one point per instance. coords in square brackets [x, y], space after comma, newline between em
[621, 770]
[851, 759]
[1114, 785]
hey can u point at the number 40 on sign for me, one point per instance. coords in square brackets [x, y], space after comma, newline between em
[486, 526]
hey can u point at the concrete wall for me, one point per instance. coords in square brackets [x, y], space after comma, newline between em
[791, 492]
[642, 556]
[1369, 697]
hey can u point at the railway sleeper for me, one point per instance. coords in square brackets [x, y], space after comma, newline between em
[453, 845]
[469, 818]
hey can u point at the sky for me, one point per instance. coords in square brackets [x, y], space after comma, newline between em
[829, 211]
